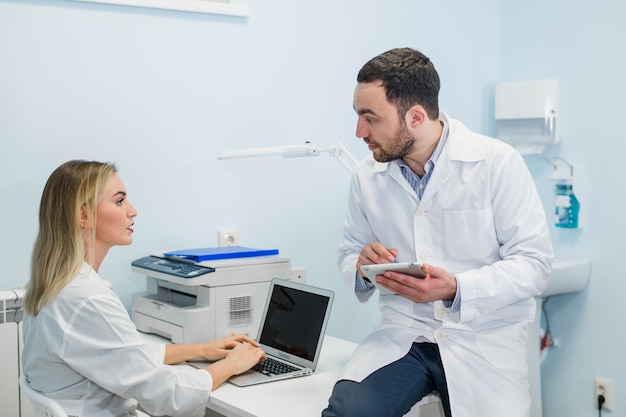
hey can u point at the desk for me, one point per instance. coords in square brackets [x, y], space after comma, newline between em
[303, 397]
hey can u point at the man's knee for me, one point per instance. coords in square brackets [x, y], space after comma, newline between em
[349, 399]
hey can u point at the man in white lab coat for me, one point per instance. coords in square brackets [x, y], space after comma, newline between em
[466, 207]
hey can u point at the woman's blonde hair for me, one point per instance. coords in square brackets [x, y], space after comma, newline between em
[70, 197]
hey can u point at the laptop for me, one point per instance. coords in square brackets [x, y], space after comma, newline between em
[291, 332]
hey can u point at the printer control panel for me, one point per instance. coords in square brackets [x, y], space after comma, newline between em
[180, 268]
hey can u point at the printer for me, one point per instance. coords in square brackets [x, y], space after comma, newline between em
[192, 299]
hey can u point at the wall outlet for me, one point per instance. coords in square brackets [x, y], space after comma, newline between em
[603, 387]
[227, 237]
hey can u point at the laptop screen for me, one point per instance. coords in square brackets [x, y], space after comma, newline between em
[294, 321]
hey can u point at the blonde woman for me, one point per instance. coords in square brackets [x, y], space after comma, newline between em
[80, 346]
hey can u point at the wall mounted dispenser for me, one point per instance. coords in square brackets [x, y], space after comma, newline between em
[526, 114]
[567, 206]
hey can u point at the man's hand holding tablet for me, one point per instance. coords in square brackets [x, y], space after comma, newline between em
[409, 268]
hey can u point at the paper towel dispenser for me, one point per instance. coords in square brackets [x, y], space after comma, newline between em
[526, 114]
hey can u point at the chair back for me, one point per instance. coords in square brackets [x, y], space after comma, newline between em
[43, 406]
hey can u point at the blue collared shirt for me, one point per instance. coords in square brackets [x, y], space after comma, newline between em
[419, 183]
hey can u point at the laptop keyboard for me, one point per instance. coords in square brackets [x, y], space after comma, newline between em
[273, 367]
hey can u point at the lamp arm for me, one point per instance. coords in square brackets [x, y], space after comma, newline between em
[345, 164]
[336, 150]
[290, 151]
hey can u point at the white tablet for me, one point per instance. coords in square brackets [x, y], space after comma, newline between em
[409, 268]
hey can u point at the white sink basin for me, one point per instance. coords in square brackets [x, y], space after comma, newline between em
[568, 275]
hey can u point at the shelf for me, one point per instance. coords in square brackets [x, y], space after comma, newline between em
[196, 6]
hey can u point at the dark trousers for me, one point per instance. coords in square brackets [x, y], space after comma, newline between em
[392, 390]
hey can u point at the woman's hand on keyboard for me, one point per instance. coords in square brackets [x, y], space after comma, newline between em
[221, 348]
[242, 357]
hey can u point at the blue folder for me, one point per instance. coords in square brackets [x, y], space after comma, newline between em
[220, 252]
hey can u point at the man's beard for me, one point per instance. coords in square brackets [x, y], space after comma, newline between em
[399, 148]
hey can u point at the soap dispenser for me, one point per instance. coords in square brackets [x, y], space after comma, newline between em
[567, 206]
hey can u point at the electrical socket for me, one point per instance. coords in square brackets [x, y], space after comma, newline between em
[603, 387]
[227, 237]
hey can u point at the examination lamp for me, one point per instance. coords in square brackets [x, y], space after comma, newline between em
[295, 151]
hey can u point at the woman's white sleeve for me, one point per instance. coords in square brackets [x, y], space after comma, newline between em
[103, 344]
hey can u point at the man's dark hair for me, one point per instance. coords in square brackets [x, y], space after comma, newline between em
[409, 78]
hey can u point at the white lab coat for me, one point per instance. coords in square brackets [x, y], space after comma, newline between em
[481, 219]
[83, 350]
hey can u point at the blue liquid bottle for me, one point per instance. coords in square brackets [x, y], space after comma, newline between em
[567, 206]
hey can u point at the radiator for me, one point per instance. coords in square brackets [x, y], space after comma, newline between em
[13, 403]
